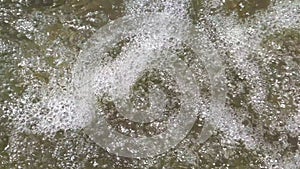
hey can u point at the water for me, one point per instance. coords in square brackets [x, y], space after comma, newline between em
[149, 84]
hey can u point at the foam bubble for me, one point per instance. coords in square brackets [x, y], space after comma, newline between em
[243, 43]
[67, 100]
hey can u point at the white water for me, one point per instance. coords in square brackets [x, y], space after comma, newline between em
[73, 106]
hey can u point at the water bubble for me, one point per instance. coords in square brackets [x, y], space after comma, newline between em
[117, 76]
[170, 84]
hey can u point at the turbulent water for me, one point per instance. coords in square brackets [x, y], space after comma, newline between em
[150, 84]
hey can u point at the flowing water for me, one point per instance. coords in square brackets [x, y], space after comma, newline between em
[150, 84]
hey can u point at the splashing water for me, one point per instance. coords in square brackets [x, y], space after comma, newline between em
[155, 88]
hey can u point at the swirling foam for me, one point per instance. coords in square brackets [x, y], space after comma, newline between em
[54, 107]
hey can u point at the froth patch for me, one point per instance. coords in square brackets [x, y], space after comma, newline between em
[242, 43]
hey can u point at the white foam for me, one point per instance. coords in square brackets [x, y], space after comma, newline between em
[242, 40]
[62, 108]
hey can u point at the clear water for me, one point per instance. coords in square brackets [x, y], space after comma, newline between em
[150, 84]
